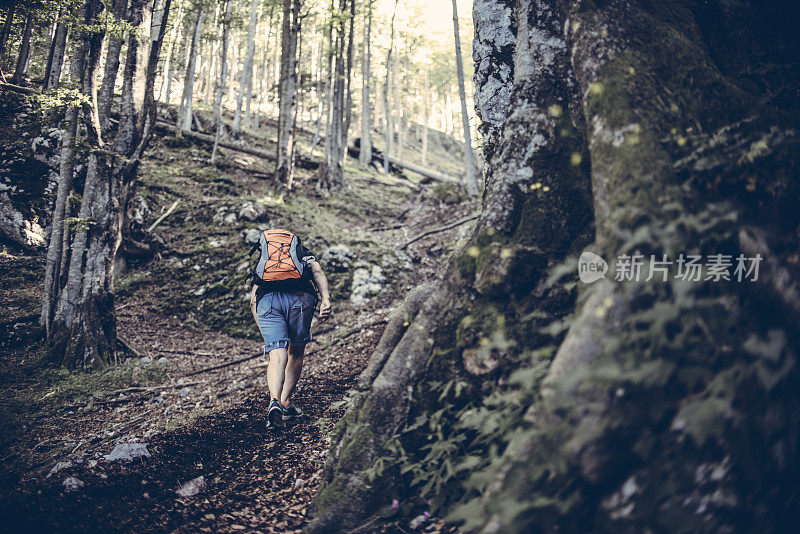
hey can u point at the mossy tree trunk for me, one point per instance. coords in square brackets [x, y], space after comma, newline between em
[83, 323]
[620, 405]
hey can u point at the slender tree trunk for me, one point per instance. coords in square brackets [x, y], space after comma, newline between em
[247, 66]
[365, 150]
[55, 55]
[223, 74]
[185, 111]
[166, 81]
[284, 170]
[398, 102]
[113, 49]
[472, 178]
[263, 84]
[24, 50]
[325, 98]
[9, 22]
[348, 114]
[386, 90]
[426, 100]
[331, 176]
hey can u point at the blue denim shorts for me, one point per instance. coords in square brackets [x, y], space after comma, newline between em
[284, 318]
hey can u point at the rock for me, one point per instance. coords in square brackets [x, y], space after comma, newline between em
[13, 225]
[366, 283]
[252, 211]
[337, 258]
[229, 218]
[193, 487]
[60, 466]
[127, 452]
[139, 211]
[251, 235]
[145, 360]
[185, 392]
[299, 482]
[72, 484]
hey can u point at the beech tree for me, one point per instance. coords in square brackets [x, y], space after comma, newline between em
[245, 78]
[469, 156]
[78, 301]
[365, 147]
[185, 110]
[223, 74]
[284, 168]
[624, 404]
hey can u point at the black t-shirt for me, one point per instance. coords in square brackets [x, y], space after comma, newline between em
[304, 283]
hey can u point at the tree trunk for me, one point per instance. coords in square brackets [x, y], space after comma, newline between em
[247, 66]
[10, 12]
[493, 54]
[55, 56]
[386, 90]
[426, 100]
[83, 332]
[185, 110]
[365, 150]
[331, 173]
[398, 103]
[325, 98]
[348, 113]
[622, 405]
[113, 49]
[24, 51]
[166, 81]
[469, 156]
[223, 74]
[284, 170]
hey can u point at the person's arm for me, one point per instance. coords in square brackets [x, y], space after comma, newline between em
[253, 303]
[322, 285]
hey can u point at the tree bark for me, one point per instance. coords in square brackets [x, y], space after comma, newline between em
[166, 81]
[185, 110]
[83, 332]
[365, 152]
[653, 385]
[24, 50]
[426, 101]
[55, 56]
[331, 173]
[10, 12]
[223, 74]
[348, 113]
[247, 66]
[284, 170]
[386, 90]
[469, 156]
[113, 49]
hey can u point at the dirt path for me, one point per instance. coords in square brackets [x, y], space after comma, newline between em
[256, 478]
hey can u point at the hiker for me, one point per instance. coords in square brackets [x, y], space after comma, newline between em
[284, 296]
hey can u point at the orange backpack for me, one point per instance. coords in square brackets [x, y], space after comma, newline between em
[278, 260]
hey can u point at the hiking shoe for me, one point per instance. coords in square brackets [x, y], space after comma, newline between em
[275, 414]
[292, 411]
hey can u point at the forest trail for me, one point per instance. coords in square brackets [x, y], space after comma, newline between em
[181, 315]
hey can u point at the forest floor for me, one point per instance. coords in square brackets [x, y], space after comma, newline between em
[181, 315]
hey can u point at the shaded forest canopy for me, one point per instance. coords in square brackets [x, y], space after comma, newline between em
[566, 270]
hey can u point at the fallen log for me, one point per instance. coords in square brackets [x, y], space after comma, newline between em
[397, 165]
[427, 173]
[210, 140]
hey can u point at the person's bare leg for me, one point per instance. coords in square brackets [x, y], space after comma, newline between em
[293, 369]
[276, 372]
